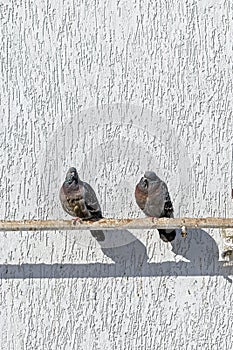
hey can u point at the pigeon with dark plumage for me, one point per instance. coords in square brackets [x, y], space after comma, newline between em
[78, 198]
[152, 197]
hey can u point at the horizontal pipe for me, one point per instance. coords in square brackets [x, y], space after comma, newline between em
[115, 224]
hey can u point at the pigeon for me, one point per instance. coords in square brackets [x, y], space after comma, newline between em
[78, 198]
[153, 199]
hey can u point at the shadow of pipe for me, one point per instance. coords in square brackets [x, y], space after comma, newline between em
[131, 260]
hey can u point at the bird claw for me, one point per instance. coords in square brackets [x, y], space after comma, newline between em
[75, 220]
[153, 218]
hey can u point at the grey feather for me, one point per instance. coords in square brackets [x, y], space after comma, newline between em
[153, 198]
[78, 198]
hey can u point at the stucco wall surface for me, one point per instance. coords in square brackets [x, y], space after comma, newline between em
[115, 88]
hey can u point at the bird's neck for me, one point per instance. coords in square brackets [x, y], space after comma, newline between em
[73, 184]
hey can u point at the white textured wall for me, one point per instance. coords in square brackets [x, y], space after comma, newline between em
[115, 88]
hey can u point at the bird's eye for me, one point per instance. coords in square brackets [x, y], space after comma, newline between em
[145, 182]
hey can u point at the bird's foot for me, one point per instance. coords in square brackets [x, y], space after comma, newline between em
[75, 220]
[153, 218]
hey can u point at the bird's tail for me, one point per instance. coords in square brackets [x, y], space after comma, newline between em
[167, 235]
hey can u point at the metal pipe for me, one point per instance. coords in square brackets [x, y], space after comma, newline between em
[115, 224]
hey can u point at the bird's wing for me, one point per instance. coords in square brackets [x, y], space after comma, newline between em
[168, 207]
[91, 200]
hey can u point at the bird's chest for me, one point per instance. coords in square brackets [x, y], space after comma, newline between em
[141, 197]
[76, 203]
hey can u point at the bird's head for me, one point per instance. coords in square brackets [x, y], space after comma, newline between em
[148, 179]
[71, 176]
[151, 176]
[143, 184]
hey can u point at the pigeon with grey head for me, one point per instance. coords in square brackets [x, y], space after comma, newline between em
[78, 198]
[153, 199]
